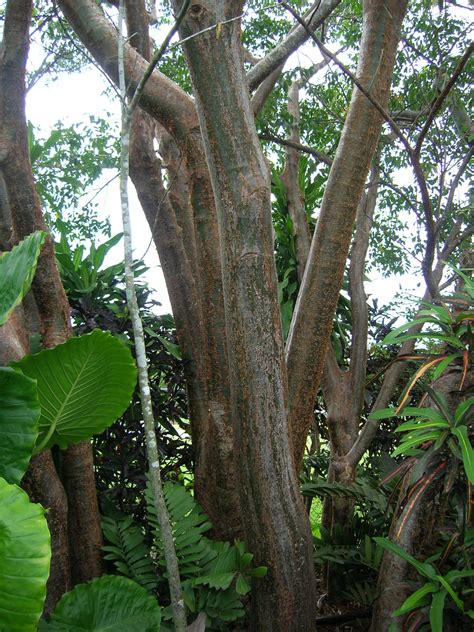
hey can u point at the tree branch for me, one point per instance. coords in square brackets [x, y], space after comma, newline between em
[452, 189]
[177, 601]
[317, 14]
[295, 145]
[366, 92]
[395, 370]
[358, 359]
[438, 102]
[162, 98]
[315, 307]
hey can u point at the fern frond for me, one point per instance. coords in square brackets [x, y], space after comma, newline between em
[213, 574]
[188, 524]
[362, 592]
[128, 551]
[361, 490]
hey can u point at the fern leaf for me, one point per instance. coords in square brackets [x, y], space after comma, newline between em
[128, 551]
[188, 524]
[361, 490]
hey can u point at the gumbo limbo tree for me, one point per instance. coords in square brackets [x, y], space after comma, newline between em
[213, 106]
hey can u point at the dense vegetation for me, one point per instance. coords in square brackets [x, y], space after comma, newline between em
[314, 445]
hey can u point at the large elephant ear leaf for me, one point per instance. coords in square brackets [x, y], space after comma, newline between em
[19, 415]
[17, 269]
[108, 603]
[25, 556]
[84, 385]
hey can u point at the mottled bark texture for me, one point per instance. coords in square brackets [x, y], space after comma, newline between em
[184, 229]
[276, 527]
[48, 312]
[204, 346]
[312, 321]
[290, 178]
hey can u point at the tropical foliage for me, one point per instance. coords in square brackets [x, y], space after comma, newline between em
[388, 467]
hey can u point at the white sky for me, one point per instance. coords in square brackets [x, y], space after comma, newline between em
[72, 99]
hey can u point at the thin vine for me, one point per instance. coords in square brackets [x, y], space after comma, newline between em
[128, 107]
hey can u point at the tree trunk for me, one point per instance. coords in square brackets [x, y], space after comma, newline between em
[190, 260]
[314, 312]
[84, 530]
[276, 527]
[42, 484]
[50, 316]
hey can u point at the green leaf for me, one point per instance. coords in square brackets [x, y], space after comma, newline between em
[426, 570]
[84, 385]
[440, 401]
[25, 555]
[452, 340]
[421, 425]
[417, 599]
[17, 269]
[242, 586]
[394, 336]
[414, 440]
[220, 581]
[466, 451]
[423, 413]
[19, 415]
[443, 365]
[107, 604]
[384, 413]
[439, 312]
[453, 575]
[188, 523]
[452, 593]
[436, 611]
[99, 255]
[129, 552]
[170, 347]
[462, 409]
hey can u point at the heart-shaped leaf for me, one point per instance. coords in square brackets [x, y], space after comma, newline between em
[17, 269]
[25, 555]
[84, 385]
[108, 603]
[19, 415]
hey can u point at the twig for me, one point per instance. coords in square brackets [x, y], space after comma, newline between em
[89, 58]
[438, 102]
[348, 73]
[454, 185]
[290, 143]
[156, 58]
